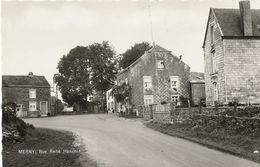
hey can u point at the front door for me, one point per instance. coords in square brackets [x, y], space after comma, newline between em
[44, 108]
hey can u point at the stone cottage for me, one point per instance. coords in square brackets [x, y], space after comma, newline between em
[157, 76]
[232, 55]
[31, 93]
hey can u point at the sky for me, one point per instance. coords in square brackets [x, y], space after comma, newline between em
[35, 35]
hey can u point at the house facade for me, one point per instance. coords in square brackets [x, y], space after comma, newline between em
[110, 100]
[31, 93]
[157, 76]
[232, 55]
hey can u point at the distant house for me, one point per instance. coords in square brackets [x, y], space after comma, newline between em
[110, 99]
[157, 76]
[197, 84]
[232, 55]
[31, 93]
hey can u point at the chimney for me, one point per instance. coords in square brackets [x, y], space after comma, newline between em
[245, 17]
[30, 74]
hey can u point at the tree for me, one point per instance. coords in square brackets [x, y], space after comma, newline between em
[83, 70]
[131, 55]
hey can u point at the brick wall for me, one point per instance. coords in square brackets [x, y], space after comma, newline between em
[20, 95]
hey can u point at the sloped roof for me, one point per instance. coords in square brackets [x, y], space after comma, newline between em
[197, 77]
[24, 80]
[158, 48]
[230, 22]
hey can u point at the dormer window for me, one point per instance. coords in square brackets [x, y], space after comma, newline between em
[160, 64]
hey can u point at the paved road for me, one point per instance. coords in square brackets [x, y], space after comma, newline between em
[117, 142]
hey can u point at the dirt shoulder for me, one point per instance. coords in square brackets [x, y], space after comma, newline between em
[45, 147]
[235, 144]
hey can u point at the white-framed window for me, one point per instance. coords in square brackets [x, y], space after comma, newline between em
[174, 83]
[148, 99]
[160, 64]
[147, 82]
[175, 98]
[32, 93]
[32, 106]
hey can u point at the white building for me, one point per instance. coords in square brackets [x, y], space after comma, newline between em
[110, 101]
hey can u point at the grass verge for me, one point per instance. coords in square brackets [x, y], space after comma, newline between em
[236, 144]
[43, 147]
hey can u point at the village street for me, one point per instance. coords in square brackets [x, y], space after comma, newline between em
[117, 142]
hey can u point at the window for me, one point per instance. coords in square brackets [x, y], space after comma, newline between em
[174, 83]
[215, 91]
[212, 38]
[147, 84]
[175, 98]
[160, 64]
[19, 107]
[32, 106]
[148, 99]
[32, 93]
[214, 63]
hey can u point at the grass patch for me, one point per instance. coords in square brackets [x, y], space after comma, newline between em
[233, 143]
[43, 147]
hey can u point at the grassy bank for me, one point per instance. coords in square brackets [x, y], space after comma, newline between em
[233, 143]
[43, 147]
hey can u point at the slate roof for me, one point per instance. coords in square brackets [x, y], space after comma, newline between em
[24, 80]
[197, 77]
[230, 22]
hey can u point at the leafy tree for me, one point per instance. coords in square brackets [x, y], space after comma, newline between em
[131, 55]
[83, 70]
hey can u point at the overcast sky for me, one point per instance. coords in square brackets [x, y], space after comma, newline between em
[35, 35]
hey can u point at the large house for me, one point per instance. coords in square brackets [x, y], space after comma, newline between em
[31, 93]
[157, 76]
[232, 55]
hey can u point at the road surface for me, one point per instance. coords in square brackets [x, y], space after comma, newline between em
[117, 142]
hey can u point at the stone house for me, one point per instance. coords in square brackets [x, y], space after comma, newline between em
[232, 55]
[31, 93]
[197, 85]
[110, 100]
[157, 76]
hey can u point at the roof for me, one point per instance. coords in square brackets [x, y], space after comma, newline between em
[230, 23]
[24, 80]
[197, 77]
[158, 48]
[155, 48]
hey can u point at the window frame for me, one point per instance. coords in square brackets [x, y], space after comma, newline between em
[149, 98]
[160, 64]
[177, 85]
[31, 93]
[32, 109]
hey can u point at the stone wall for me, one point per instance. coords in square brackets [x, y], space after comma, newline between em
[238, 67]
[146, 66]
[242, 70]
[20, 95]
[162, 113]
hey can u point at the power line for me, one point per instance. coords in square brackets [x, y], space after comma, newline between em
[150, 19]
